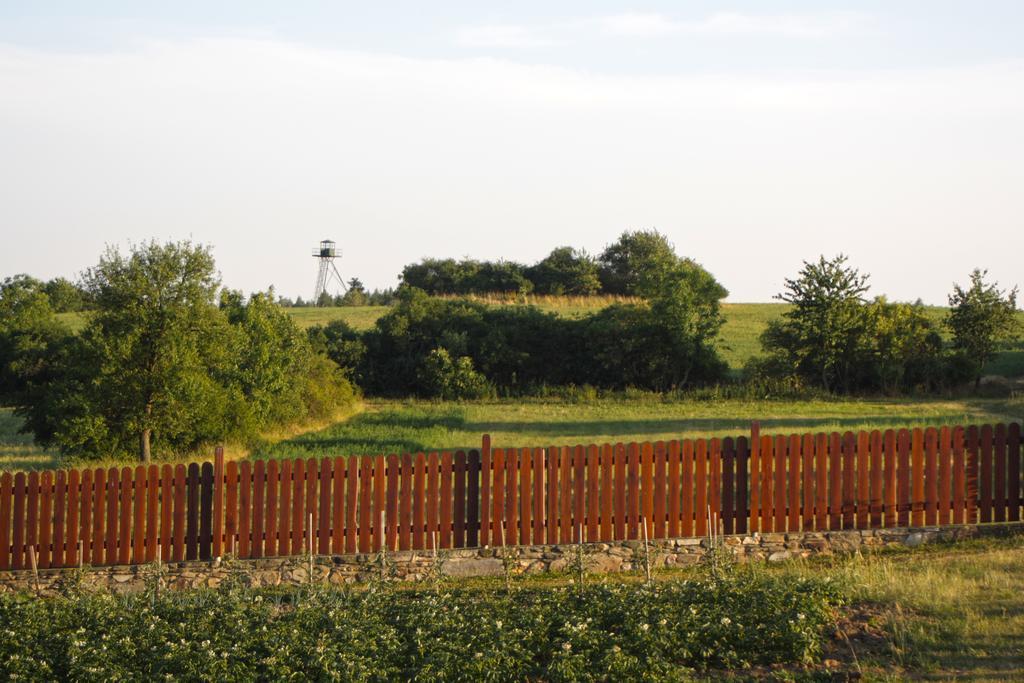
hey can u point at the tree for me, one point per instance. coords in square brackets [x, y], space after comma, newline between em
[65, 296]
[356, 294]
[982, 317]
[27, 328]
[821, 334]
[565, 271]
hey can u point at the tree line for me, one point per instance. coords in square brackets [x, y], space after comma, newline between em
[169, 359]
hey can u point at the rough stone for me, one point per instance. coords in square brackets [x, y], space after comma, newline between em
[779, 556]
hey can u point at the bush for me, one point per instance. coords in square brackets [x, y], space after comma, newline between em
[605, 632]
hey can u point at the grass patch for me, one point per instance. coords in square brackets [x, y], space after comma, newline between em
[410, 426]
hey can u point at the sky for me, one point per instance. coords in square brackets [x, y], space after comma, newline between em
[755, 135]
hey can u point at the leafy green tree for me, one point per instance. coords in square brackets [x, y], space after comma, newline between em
[27, 328]
[356, 294]
[452, 378]
[65, 296]
[820, 335]
[640, 263]
[982, 317]
[565, 271]
[902, 350]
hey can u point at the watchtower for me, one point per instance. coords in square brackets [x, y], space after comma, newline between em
[326, 270]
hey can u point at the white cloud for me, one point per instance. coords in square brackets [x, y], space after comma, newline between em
[503, 36]
[807, 26]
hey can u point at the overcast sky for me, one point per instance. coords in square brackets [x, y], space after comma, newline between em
[755, 135]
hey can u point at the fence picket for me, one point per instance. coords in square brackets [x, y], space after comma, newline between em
[779, 468]
[876, 496]
[259, 484]
[525, 495]
[418, 506]
[794, 461]
[985, 457]
[931, 476]
[619, 497]
[1013, 444]
[606, 493]
[45, 520]
[447, 494]
[459, 508]
[539, 522]
[889, 454]
[273, 515]
[999, 492]
[863, 480]
[152, 540]
[284, 504]
[742, 466]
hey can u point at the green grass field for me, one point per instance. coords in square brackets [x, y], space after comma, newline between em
[740, 338]
[409, 426]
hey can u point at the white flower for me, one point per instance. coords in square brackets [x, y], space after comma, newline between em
[726, 621]
[566, 646]
[497, 624]
[645, 627]
[662, 622]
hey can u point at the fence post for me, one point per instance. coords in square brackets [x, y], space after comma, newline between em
[754, 465]
[218, 501]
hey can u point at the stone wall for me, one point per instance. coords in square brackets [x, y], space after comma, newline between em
[413, 566]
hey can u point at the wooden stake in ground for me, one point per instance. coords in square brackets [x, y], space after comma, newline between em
[310, 543]
[647, 552]
[35, 568]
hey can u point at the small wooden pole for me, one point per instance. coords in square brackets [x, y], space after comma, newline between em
[647, 552]
[310, 545]
[35, 567]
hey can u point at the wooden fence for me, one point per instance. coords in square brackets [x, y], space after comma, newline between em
[869, 480]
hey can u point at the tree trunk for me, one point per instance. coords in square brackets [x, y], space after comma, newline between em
[144, 454]
[144, 436]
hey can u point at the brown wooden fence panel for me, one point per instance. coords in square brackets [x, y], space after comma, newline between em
[619, 498]
[446, 497]
[931, 475]
[322, 542]
[486, 475]
[192, 513]
[688, 488]
[498, 535]
[273, 516]
[889, 455]
[565, 495]
[606, 493]
[715, 482]
[405, 504]
[6, 521]
[742, 483]
[284, 504]
[539, 521]
[999, 492]
[793, 462]
[767, 453]
[593, 495]
[18, 516]
[647, 485]
[60, 501]
[1013, 442]
[807, 467]
[903, 449]
[245, 511]
[579, 490]
[553, 468]
[257, 499]
[972, 454]
[138, 528]
[779, 483]
[985, 457]
[673, 504]
[959, 477]
[167, 511]
[391, 501]
[45, 521]
[728, 485]
[945, 476]
[206, 511]
[863, 479]
[756, 476]
[72, 537]
[849, 450]
[459, 508]
[419, 515]
[365, 491]
[351, 504]
[525, 495]
[218, 503]
[700, 502]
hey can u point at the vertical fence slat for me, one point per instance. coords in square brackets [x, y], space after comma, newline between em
[660, 490]
[511, 495]
[688, 487]
[1013, 471]
[633, 491]
[391, 501]
[593, 495]
[579, 488]
[539, 523]
[45, 520]
[742, 495]
[418, 507]
[486, 477]
[166, 511]
[756, 474]
[647, 484]
[113, 501]
[889, 453]
[448, 495]
[835, 482]
[779, 468]
[525, 493]
[206, 511]
[32, 514]
[565, 494]
[73, 510]
[863, 479]
[365, 482]
[351, 503]
[258, 500]
[312, 505]
[152, 538]
[192, 514]
[606, 493]
[552, 469]
[674, 500]
[807, 467]
[973, 493]
[793, 462]
[379, 501]
[60, 511]
[985, 459]
[124, 513]
[6, 495]
[903, 449]
[701, 485]
[298, 513]
[931, 476]
[945, 475]
[178, 543]
[849, 479]
[959, 477]
[619, 492]
[139, 515]
[999, 492]
[18, 553]
[767, 452]
[459, 508]
[284, 504]
[728, 486]
[245, 510]
[917, 477]
[876, 495]
[499, 535]
[323, 518]
[273, 516]
[405, 504]
[217, 530]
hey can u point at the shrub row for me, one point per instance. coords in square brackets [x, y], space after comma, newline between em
[605, 632]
